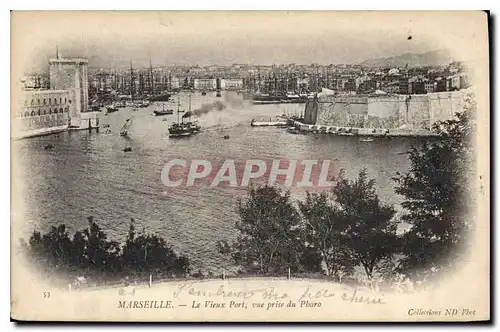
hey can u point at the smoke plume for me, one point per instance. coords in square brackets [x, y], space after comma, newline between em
[205, 108]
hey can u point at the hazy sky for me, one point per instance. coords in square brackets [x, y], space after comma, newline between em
[116, 38]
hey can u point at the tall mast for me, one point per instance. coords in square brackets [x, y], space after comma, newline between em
[132, 83]
[178, 106]
[258, 77]
[152, 81]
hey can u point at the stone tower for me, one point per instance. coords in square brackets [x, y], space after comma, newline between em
[71, 74]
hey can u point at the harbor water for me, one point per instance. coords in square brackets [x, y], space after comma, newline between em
[89, 174]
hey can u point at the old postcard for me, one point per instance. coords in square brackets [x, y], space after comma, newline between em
[250, 166]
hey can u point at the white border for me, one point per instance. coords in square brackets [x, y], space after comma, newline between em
[180, 5]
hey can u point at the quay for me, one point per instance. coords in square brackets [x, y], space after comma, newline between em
[297, 127]
[269, 123]
[16, 135]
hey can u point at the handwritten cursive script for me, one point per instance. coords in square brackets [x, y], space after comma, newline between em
[268, 293]
[316, 294]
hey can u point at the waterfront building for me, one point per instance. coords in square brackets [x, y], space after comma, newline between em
[42, 112]
[174, 83]
[231, 83]
[35, 82]
[430, 86]
[65, 105]
[453, 83]
[204, 83]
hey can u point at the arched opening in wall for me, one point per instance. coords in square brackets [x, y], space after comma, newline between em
[50, 101]
[44, 101]
[67, 109]
[44, 112]
[65, 101]
[32, 113]
[60, 100]
[38, 112]
[50, 111]
[61, 110]
[38, 101]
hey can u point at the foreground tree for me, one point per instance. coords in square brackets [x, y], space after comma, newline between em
[269, 238]
[90, 252]
[51, 251]
[370, 230]
[439, 195]
[100, 254]
[324, 230]
[147, 253]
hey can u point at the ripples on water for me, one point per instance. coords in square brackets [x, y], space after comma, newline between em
[89, 174]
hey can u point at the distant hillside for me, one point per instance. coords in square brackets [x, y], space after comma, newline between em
[434, 58]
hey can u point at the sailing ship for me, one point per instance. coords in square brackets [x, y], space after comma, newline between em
[181, 128]
[163, 111]
[126, 127]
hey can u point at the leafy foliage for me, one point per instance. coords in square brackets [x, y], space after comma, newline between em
[90, 252]
[343, 229]
[438, 195]
[150, 253]
[370, 229]
[324, 230]
[269, 239]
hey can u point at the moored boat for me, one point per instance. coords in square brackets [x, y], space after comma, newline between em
[112, 108]
[366, 139]
[163, 111]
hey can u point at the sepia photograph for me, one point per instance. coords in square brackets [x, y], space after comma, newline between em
[250, 166]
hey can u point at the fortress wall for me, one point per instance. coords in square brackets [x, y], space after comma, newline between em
[412, 112]
[418, 112]
[385, 112]
[342, 113]
[311, 112]
[444, 105]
